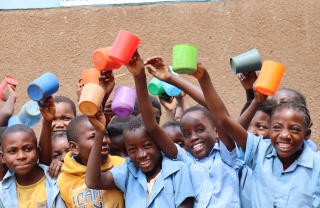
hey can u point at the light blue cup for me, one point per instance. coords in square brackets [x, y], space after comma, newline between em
[14, 120]
[30, 114]
[43, 87]
[170, 89]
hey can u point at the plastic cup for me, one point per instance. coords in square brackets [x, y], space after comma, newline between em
[155, 87]
[124, 47]
[249, 61]
[90, 99]
[184, 58]
[13, 120]
[102, 61]
[90, 76]
[30, 114]
[269, 78]
[43, 87]
[7, 80]
[170, 89]
[123, 101]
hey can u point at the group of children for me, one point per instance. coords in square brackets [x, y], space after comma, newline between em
[200, 156]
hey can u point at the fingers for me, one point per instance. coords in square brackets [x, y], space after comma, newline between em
[55, 168]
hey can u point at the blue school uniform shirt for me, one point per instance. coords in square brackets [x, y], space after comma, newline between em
[171, 188]
[8, 191]
[214, 177]
[297, 186]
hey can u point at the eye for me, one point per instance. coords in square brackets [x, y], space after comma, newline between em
[147, 146]
[201, 129]
[261, 127]
[132, 150]
[181, 144]
[295, 129]
[12, 151]
[186, 135]
[28, 149]
[55, 156]
[276, 127]
[66, 119]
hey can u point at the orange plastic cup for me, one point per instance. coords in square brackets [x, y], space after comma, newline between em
[90, 99]
[270, 77]
[102, 61]
[124, 47]
[90, 76]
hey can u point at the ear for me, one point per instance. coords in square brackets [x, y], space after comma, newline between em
[1, 157]
[308, 134]
[74, 147]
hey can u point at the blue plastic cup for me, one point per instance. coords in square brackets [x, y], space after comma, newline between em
[43, 87]
[170, 89]
[13, 120]
[30, 114]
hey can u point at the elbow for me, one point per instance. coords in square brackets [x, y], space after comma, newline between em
[90, 184]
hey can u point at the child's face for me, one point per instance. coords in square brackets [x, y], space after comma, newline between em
[84, 144]
[285, 95]
[143, 152]
[118, 147]
[175, 134]
[199, 135]
[260, 125]
[20, 152]
[62, 118]
[288, 130]
[60, 146]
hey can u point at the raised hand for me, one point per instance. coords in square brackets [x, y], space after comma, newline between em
[136, 65]
[161, 71]
[48, 109]
[98, 121]
[247, 79]
[55, 168]
[106, 81]
[201, 71]
[7, 92]
[170, 104]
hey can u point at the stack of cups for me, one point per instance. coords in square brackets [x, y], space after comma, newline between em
[8, 80]
[30, 114]
[123, 101]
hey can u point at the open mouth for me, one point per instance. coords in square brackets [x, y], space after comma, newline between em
[144, 163]
[105, 150]
[197, 146]
[284, 146]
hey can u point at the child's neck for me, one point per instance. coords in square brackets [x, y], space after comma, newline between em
[3, 170]
[156, 170]
[30, 178]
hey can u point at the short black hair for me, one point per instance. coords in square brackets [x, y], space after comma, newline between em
[120, 119]
[115, 130]
[171, 123]
[74, 126]
[204, 111]
[154, 102]
[58, 135]
[267, 106]
[64, 99]
[18, 128]
[301, 98]
[134, 124]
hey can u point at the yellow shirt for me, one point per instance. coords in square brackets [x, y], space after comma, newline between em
[33, 195]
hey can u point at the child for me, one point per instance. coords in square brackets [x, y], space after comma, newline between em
[285, 173]
[155, 106]
[148, 179]
[60, 147]
[117, 146]
[3, 167]
[7, 109]
[27, 183]
[214, 180]
[172, 129]
[71, 181]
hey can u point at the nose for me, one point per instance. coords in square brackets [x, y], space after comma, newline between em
[21, 155]
[194, 137]
[141, 154]
[285, 134]
[58, 123]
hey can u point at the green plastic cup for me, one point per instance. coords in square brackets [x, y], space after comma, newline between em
[184, 58]
[155, 87]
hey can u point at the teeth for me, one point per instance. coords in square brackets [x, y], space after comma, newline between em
[284, 145]
[144, 162]
[198, 146]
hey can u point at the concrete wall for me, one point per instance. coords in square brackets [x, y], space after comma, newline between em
[62, 41]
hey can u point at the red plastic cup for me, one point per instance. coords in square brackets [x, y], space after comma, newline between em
[124, 47]
[102, 61]
[7, 80]
[270, 77]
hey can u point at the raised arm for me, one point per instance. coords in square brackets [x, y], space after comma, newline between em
[136, 67]
[94, 178]
[6, 111]
[48, 111]
[218, 109]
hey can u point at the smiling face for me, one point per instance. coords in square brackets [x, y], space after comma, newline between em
[60, 146]
[175, 134]
[20, 152]
[288, 131]
[199, 134]
[62, 118]
[260, 125]
[143, 152]
[84, 143]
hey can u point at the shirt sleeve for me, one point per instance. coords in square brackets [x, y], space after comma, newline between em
[252, 149]
[183, 155]
[183, 185]
[120, 176]
[229, 157]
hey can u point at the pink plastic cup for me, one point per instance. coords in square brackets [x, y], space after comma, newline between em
[7, 80]
[123, 101]
[124, 47]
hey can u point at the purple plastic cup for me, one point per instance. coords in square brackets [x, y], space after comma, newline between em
[123, 101]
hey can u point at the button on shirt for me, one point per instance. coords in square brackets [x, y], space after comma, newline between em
[297, 186]
[215, 182]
